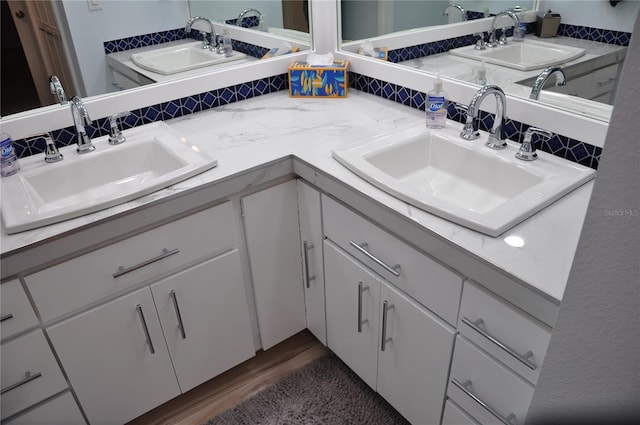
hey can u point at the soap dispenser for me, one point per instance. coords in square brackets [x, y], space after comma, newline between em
[436, 105]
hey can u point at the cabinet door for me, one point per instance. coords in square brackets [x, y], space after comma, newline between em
[353, 298]
[413, 367]
[310, 213]
[107, 354]
[205, 318]
[273, 243]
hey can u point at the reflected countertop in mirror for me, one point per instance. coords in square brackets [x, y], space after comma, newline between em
[122, 63]
[597, 57]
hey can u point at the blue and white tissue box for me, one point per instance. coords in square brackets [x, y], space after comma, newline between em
[319, 81]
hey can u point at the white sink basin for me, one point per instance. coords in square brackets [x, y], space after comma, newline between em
[464, 182]
[170, 60]
[153, 157]
[526, 55]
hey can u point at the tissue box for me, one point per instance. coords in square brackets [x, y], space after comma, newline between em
[318, 81]
[380, 53]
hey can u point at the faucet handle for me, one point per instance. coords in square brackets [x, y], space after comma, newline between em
[480, 44]
[51, 152]
[115, 134]
[527, 151]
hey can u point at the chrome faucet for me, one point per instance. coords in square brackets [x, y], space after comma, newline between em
[55, 86]
[470, 130]
[244, 12]
[561, 80]
[503, 37]
[207, 43]
[80, 119]
[527, 151]
[457, 6]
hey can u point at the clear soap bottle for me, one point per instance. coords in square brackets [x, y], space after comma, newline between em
[436, 106]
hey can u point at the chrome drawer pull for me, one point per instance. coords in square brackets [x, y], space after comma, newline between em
[6, 317]
[525, 359]
[173, 297]
[165, 253]
[385, 308]
[394, 270]
[306, 247]
[509, 420]
[361, 322]
[146, 329]
[28, 377]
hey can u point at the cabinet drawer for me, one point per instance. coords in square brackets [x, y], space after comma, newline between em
[453, 415]
[28, 379]
[513, 338]
[16, 314]
[61, 410]
[485, 389]
[604, 80]
[430, 283]
[88, 278]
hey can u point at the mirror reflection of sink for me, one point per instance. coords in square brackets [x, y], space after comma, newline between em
[586, 107]
[464, 182]
[171, 60]
[525, 55]
[153, 157]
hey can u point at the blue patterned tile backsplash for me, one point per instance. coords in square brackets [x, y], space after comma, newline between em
[559, 145]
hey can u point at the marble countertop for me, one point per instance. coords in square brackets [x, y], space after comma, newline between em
[257, 131]
[464, 69]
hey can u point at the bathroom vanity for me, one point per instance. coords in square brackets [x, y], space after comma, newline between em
[126, 308]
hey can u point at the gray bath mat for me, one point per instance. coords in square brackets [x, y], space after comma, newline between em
[325, 392]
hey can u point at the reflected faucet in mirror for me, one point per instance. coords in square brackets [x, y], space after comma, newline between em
[456, 6]
[56, 88]
[209, 41]
[496, 137]
[80, 119]
[561, 80]
[247, 11]
[503, 38]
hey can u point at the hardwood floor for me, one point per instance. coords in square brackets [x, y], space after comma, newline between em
[232, 387]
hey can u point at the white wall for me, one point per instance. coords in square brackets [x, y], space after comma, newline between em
[595, 13]
[222, 10]
[117, 19]
[591, 371]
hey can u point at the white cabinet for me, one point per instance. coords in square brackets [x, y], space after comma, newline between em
[311, 236]
[273, 244]
[30, 373]
[116, 358]
[394, 344]
[16, 314]
[497, 359]
[61, 410]
[205, 318]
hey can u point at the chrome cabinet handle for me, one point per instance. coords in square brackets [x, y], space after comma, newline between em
[394, 270]
[525, 359]
[28, 377]
[361, 289]
[606, 83]
[173, 297]
[509, 420]
[146, 329]
[385, 308]
[306, 247]
[6, 317]
[165, 253]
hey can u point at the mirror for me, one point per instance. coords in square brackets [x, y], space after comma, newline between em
[362, 19]
[591, 79]
[86, 27]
